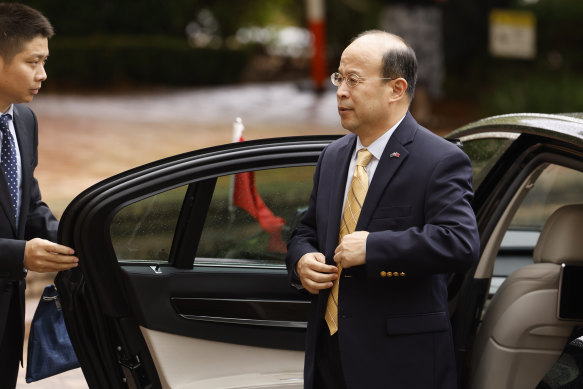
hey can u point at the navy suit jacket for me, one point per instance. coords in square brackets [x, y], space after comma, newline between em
[36, 219]
[394, 327]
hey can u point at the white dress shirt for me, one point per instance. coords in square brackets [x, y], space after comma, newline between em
[376, 148]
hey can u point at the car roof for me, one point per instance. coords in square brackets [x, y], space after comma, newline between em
[566, 127]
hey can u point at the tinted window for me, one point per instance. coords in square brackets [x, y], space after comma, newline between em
[252, 215]
[555, 187]
[484, 153]
[144, 230]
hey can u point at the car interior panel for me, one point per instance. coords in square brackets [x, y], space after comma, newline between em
[489, 252]
[521, 336]
[153, 298]
[239, 366]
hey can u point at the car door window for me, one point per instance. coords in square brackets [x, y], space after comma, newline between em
[250, 218]
[555, 187]
[144, 230]
[484, 152]
[252, 215]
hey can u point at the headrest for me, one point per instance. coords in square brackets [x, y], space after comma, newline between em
[561, 241]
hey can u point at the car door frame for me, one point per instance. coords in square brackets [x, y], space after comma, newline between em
[541, 139]
[101, 311]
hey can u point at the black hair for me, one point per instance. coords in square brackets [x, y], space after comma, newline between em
[19, 24]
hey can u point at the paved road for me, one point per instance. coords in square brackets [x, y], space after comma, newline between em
[69, 380]
[278, 104]
[86, 138]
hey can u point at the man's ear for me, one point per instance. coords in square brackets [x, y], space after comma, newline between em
[399, 89]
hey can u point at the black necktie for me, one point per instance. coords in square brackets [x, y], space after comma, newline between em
[8, 160]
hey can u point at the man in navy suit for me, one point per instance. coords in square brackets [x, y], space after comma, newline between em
[27, 226]
[416, 226]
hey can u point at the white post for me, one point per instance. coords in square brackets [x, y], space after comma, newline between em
[238, 129]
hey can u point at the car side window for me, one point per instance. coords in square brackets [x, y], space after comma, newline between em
[144, 230]
[252, 215]
[484, 152]
[555, 187]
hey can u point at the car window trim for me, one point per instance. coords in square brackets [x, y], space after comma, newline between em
[487, 135]
[190, 223]
[212, 262]
[258, 312]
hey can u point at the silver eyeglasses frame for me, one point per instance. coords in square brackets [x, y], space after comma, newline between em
[351, 79]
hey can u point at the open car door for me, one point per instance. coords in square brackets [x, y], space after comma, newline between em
[182, 279]
[508, 330]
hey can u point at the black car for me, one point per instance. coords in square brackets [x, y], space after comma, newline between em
[182, 281]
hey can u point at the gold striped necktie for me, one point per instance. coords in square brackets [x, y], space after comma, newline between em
[354, 201]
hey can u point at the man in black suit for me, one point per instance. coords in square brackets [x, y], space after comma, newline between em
[379, 313]
[27, 226]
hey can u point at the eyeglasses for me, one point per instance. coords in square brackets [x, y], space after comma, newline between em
[351, 79]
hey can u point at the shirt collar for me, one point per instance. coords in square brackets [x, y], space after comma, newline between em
[10, 111]
[377, 147]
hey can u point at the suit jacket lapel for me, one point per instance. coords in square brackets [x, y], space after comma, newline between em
[341, 162]
[394, 155]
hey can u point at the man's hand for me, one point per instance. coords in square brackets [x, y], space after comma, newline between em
[44, 256]
[352, 250]
[314, 273]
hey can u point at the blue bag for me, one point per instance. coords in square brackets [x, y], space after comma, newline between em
[50, 350]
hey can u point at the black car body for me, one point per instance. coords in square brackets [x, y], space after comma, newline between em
[179, 287]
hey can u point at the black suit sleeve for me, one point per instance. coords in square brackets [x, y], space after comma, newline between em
[12, 258]
[305, 238]
[38, 219]
[40, 222]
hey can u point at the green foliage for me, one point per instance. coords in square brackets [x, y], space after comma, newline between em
[552, 92]
[130, 60]
[82, 18]
[345, 19]
[551, 82]
[101, 42]
[232, 15]
[86, 18]
[133, 42]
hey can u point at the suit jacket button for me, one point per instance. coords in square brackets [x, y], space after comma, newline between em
[396, 273]
[402, 274]
[389, 274]
[383, 274]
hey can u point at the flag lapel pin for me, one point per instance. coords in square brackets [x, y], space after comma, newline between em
[395, 155]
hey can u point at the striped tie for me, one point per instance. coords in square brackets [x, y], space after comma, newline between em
[354, 201]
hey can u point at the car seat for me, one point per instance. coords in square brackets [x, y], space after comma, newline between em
[521, 336]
